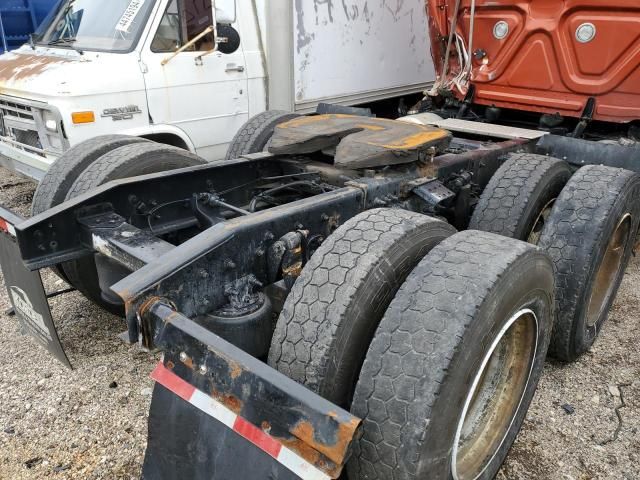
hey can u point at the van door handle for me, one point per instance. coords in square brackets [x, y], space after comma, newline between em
[238, 68]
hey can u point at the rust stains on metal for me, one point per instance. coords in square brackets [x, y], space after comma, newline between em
[328, 458]
[235, 370]
[338, 450]
[427, 170]
[311, 120]
[188, 362]
[375, 128]
[144, 308]
[20, 66]
[294, 270]
[172, 316]
[266, 427]
[128, 306]
[359, 142]
[232, 402]
[416, 140]
[304, 450]
[333, 222]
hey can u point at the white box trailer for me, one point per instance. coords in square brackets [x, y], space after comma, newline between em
[96, 68]
[347, 52]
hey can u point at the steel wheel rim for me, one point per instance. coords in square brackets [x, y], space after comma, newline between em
[495, 396]
[541, 221]
[608, 271]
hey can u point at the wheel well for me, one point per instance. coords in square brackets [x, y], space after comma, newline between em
[167, 139]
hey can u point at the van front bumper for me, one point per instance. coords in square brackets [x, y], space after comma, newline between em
[29, 161]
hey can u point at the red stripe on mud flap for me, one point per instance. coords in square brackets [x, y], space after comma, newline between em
[256, 436]
[7, 227]
[172, 382]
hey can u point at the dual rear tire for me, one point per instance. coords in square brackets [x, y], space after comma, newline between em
[455, 362]
[590, 236]
[587, 223]
[435, 339]
[520, 196]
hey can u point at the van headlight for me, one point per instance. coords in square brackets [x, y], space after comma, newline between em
[50, 122]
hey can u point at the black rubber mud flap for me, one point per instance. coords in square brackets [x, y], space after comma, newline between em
[185, 442]
[26, 292]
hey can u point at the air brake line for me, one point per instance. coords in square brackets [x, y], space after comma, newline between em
[452, 32]
[465, 55]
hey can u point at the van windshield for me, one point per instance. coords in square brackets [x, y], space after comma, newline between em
[114, 25]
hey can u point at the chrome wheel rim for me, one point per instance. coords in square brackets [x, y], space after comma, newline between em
[495, 396]
[608, 271]
[539, 224]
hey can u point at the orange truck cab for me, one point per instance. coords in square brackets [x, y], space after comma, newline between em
[564, 59]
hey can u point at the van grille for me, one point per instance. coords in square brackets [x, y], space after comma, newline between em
[19, 123]
[23, 125]
[28, 137]
[17, 111]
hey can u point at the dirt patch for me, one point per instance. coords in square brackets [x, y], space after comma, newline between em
[90, 423]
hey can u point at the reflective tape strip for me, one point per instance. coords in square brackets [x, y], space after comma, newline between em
[265, 442]
[7, 227]
[172, 382]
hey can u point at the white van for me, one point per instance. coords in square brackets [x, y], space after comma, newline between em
[152, 68]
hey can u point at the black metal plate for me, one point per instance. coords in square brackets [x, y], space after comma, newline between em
[28, 298]
[359, 142]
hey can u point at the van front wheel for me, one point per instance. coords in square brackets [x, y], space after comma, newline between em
[127, 161]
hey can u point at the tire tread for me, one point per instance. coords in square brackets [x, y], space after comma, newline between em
[321, 297]
[418, 337]
[245, 140]
[102, 170]
[511, 190]
[572, 237]
[53, 188]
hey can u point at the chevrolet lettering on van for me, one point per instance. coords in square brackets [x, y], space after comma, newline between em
[121, 113]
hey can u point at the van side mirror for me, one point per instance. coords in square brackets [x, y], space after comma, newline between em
[228, 39]
[224, 11]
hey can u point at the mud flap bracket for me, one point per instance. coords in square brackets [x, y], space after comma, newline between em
[228, 397]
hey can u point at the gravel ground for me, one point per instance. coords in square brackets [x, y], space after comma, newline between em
[90, 423]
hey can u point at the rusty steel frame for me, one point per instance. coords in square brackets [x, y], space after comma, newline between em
[170, 285]
[193, 274]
